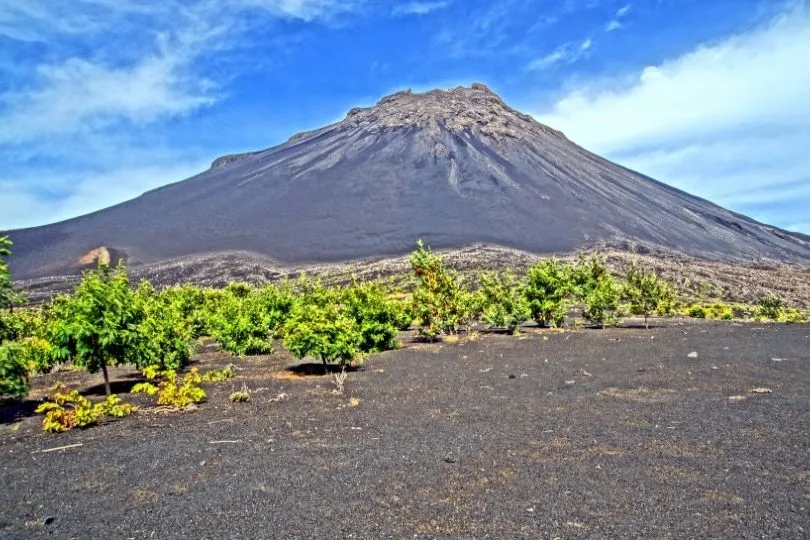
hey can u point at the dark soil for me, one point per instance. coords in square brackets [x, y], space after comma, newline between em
[575, 434]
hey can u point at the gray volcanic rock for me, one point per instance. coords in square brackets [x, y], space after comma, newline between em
[453, 167]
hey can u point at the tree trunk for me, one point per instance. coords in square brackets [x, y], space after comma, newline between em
[646, 324]
[106, 380]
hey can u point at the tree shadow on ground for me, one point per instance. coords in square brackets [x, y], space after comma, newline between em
[317, 369]
[14, 411]
[121, 385]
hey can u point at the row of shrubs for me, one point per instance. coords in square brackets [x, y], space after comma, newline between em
[108, 322]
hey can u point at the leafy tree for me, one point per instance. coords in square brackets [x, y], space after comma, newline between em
[276, 302]
[241, 325]
[648, 294]
[98, 325]
[503, 302]
[166, 336]
[439, 303]
[13, 372]
[8, 295]
[319, 326]
[377, 316]
[601, 301]
[548, 289]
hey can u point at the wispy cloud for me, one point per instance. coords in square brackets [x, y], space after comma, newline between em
[617, 22]
[420, 8]
[99, 115]
[565, 54]
[729, 121]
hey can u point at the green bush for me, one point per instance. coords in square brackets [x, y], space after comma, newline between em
[98, 325]
[697, 312]
[193, 304]
[9, 297]
[276, 302]
[242, 325]
[378, 317]
[13, 372]
[549, 287]
[771, 307]
[166, 335]
[319, 326]
[440, 304]
[648, 294]
[73, 410]
[601, 300]
[503, 303]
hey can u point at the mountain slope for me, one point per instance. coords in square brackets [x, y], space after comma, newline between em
[452, 167]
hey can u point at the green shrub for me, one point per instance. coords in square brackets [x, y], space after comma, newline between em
[275, 302]
[193, 304]
[378, 317]
[549, 286]
[648, 294]
[171, 390]
[697, 312]
[319, 326]
[242, 325]
[98, 325]
[13, 372]
[73, 410]
[440, 305]
[601, 300]
[503, 302]
[771, 307]
[166, 335]
[9, 297]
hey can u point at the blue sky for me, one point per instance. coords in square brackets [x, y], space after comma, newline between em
[101, 100]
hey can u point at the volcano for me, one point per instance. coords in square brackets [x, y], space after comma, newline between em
[452, 167]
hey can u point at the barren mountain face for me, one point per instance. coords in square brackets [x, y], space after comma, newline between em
[453, 167]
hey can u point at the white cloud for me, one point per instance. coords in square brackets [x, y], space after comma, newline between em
[563, 55]
[616, 23]
[79, 95]
[728, 121]
[82, 130]
[23, 203]
[420, 8]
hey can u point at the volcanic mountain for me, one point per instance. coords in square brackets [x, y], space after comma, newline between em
[454, 168]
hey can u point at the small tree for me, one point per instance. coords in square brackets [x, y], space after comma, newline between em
[98, 325]
[166, 336]
[503, 303]
[549, 286]
[439, 299]
[13, 372]
[648, 294]
[378, 317]
[319, 326]
[8, 295]
[601, 301]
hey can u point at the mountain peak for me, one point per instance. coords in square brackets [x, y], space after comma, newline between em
[462, 109]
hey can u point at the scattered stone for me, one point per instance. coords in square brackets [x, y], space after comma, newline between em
[570, 382]
[512, 376]
[692, 354]
[762, 390]
[450, 458]
[47, 520]
[777, 359]
[736, 398]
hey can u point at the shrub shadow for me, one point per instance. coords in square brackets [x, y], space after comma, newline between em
[121, 385]
[316, 369]
[14, 411]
